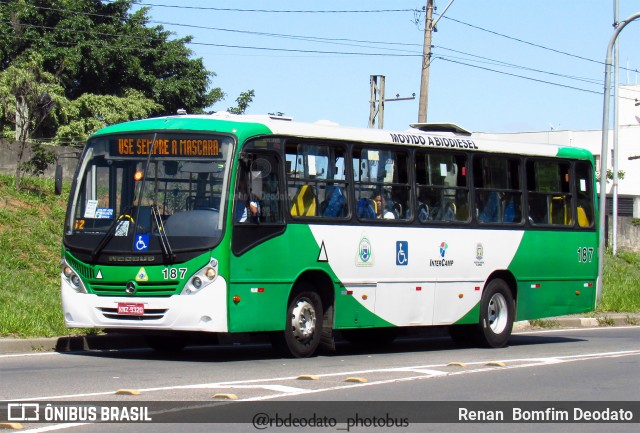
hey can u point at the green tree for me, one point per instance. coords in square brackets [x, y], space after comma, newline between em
[242, 102]
[102, 48]
[28, 96]
[89, 113]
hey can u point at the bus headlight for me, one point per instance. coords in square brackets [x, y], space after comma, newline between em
[72, 278]
[202, 278]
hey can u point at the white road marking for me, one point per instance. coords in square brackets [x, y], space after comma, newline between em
[428, 372]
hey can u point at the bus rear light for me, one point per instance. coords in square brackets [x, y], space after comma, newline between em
[197, 283]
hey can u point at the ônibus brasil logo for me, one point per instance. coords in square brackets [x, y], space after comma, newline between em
[441, 261]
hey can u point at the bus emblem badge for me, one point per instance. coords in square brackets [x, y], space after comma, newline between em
[365, 252]
[130, 289]
[479, 255]
[142, 275]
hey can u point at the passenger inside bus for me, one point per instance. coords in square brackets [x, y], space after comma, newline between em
[382, 212]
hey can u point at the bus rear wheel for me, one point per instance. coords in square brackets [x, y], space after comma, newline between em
[303, 326]
[497, 311]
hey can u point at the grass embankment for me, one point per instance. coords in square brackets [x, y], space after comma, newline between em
[621, 288]
[30, 238]
[31, 223]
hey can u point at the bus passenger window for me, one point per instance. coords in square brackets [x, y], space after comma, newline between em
[584, 192]
[441, 186]
[381, 184]
[550, 199]
[316, 182]
[498, 192]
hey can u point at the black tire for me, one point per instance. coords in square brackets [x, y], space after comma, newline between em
[303, 327]
[497, 312]
[166, 343]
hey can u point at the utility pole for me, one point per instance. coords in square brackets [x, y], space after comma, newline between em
[603, 152]
[376, 103]
[614, 152]
[426, 62]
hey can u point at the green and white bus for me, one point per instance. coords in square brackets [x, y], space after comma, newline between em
[235, 225]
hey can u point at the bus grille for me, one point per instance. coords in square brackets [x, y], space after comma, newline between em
[84, 270]
[112, 313]
[144, 289]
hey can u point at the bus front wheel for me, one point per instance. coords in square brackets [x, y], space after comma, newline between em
[497, 313]
[303, 326]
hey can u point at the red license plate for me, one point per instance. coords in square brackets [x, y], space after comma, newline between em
[131, 309]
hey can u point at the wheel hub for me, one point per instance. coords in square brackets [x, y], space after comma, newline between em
[497, 313]
[303, 320]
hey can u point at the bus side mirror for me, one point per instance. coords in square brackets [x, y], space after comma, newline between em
[58, 180]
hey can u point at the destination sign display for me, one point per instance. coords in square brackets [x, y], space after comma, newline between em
[190, 146]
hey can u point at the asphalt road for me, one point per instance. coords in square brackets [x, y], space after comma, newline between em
[555, 366]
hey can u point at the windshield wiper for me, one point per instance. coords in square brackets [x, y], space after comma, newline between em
[164, 239]
[110, 233]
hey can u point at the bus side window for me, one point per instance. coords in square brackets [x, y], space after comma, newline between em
[498, 192]
[583, 182]
[316, 182]
[548, 183]
[441, 187]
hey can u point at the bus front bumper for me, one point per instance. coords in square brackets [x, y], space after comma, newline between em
[204, 311]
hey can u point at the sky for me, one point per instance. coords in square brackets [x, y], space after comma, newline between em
[497, 65]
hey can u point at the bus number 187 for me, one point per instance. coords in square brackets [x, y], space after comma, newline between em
[585, 255]
[172, 273]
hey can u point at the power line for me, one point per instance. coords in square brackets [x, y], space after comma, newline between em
[512, 65]
[522, 41]
[341, 53]
[102, 34]
[519, 76]
[339, 41]
[275, 10]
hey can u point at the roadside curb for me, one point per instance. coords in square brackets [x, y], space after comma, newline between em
[614, 319]
[126, 341]
[71, 344]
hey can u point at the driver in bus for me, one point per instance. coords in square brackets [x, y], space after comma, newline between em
[246, 204]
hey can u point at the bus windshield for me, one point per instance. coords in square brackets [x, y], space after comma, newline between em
[149, 193]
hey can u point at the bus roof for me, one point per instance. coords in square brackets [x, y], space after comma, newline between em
[440, 135]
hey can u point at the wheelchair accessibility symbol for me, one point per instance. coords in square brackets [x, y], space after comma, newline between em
[141, 243]
[402, 253]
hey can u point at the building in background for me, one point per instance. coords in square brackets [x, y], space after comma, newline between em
[628, 148]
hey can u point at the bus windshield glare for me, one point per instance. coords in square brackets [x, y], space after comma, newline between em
[149, 193]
